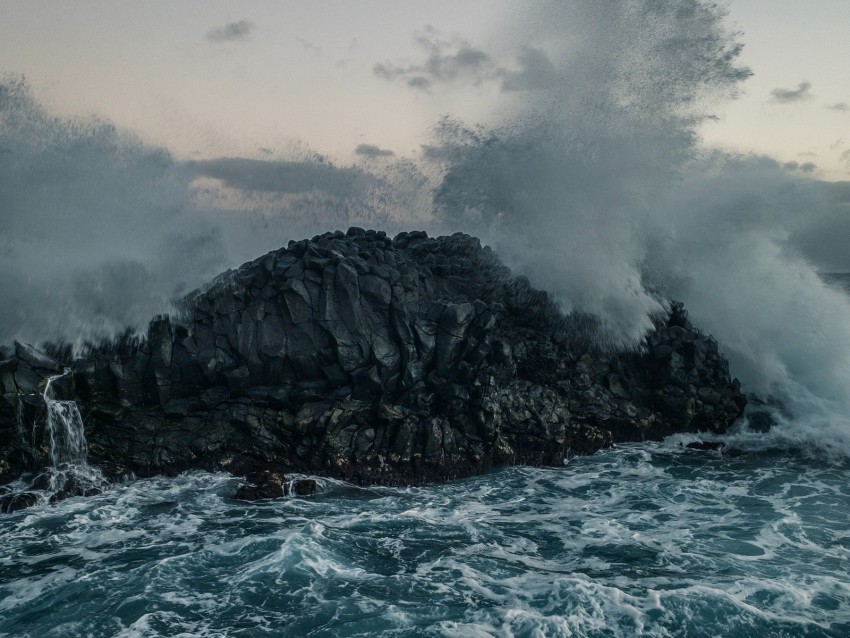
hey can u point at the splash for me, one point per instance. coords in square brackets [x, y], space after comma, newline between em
[597, 187]
[567, 187]
[97, 229]
[100, 231]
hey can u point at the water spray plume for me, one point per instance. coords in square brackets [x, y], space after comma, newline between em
[597, 188]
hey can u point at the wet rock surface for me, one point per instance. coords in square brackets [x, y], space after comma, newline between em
[268, 484]
[366, 358]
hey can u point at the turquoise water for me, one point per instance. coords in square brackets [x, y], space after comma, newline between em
[644, 540]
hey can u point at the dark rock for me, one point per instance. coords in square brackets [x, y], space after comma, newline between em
[375, 361]
[36, 359]
[238, 380]
[705, 446]
[265, 484]
[17, 501]
[302, 487]
[761, 420]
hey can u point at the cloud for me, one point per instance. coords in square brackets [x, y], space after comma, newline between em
[231, 32]
[309, 46]
[455, 60]
[419, 82]
[839, 106]
[536, 72]
[786, 96]
[805, 167]
[845, 157]
[285, 177]
[370, 150]
[448, 60]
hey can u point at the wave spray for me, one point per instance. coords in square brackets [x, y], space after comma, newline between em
[596, 185]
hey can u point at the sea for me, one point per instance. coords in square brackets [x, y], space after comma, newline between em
[651, 539]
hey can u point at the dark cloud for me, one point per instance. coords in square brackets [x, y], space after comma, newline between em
[845, 157]
[419, 82]
[231, 32]
[786, 96]
[370, 150]
[536, 72]
[455, 60]
[805, 167]
[839, 106]
[285, 177]
[448, 60]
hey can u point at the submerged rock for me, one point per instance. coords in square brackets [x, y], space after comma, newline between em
[262, 485]
[270, 484]
[370, 359]
[14, 501]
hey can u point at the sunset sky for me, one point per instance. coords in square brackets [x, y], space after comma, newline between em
[259, 79]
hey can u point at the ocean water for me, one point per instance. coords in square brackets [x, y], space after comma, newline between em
[642, 540]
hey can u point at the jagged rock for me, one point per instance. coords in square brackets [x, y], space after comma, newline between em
[302, 487]
[369, 359]
[268, 484]
[263, 485]
[17, 501]
[36, 359]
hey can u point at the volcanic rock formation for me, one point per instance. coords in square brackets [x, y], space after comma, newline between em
[370, 359]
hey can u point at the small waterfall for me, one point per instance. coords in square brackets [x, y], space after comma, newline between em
[65, 428]
[69, 473]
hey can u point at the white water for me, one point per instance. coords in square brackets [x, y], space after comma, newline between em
[648, 540]
[69, 468]
[597, 187]
[65, 428]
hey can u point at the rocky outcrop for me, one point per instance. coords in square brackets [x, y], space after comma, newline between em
[371, 359]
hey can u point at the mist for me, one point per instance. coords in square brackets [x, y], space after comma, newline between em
[97, 228]
[101, 231]
[598, 188]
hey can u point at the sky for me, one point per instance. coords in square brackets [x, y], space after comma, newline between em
[264, 79]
